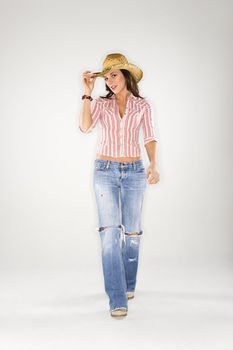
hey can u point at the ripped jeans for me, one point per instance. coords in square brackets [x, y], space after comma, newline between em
[119, 190]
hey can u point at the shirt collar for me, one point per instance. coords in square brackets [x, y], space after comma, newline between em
[129, 97]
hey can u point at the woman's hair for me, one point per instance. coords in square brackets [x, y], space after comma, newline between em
[131, 85]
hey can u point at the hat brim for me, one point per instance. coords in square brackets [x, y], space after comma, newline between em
[132, 68]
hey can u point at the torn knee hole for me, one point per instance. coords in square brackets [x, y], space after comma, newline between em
[104, 227]
[133, 234]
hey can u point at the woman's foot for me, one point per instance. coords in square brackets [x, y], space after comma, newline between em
[119, 311]
[130, 295]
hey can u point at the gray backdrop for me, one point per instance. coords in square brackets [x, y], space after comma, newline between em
[47, 204]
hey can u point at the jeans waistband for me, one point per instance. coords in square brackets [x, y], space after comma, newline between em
[111, 163]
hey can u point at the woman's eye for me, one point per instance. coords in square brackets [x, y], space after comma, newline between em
[112, 76]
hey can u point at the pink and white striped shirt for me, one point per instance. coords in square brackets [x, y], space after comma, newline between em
[120, 136]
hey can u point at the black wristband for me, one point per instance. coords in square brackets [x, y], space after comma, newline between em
[88, 97]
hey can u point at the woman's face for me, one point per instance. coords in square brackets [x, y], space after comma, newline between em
[115, 80]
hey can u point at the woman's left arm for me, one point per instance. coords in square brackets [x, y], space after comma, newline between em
[151, 171]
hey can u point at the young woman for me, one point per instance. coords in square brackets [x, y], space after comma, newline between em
[119, 177]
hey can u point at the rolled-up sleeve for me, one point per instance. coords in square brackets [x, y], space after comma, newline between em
[96, 113]
[148, 126]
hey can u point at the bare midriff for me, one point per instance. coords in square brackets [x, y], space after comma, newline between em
[117, 159]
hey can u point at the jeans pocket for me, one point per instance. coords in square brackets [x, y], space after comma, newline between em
[100, 166]
[140, 169]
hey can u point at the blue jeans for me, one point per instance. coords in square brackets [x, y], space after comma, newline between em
[119, 190]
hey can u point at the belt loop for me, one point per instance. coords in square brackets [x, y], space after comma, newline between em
[134, 166]
[107, 164]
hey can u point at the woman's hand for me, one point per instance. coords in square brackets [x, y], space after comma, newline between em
[88, 81]
[152, 174]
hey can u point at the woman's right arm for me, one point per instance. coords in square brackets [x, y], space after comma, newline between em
[85, 119]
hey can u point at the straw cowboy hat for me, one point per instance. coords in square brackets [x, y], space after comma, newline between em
[119, 61]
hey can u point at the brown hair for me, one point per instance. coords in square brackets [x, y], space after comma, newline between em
[131, 85]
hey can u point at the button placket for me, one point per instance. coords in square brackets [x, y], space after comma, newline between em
[121, 120]
[121, 138]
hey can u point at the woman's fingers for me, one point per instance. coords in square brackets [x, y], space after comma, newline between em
[153, 179]
[88, 75]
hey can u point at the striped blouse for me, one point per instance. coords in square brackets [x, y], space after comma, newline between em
[120, 136]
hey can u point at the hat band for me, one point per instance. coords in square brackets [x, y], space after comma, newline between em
[115, 65]
[104, 70]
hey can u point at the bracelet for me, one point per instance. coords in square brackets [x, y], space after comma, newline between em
[88, 97]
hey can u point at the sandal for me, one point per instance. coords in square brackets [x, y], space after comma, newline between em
[119, 311]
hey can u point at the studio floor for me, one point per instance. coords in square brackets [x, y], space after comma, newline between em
[177, 306]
